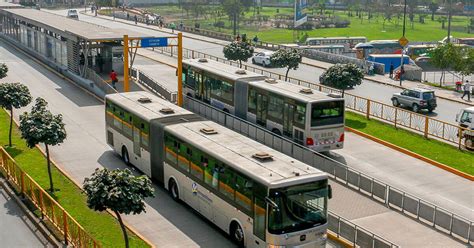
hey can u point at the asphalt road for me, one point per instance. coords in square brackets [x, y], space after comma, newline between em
[16, 230]
[445, 111]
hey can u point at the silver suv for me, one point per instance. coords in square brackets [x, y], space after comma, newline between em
[416, 99]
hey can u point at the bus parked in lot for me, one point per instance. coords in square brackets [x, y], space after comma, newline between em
[308, 117]
[415, 51]
[348, 41]
[260, 197]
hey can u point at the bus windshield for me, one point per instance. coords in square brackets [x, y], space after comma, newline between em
[327, 113]
[299, 207]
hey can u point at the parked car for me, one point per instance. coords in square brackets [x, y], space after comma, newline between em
[416, 99]
[72, 13]
[262, 58]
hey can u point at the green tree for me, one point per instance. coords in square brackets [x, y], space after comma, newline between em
[119, 191]
[41, 126]
[234, 8]
[290, 59]
[342, 76]
[465, 65]
[444, 57]
[433, 6]
[238, 51]
[3, 70]
[13, 95]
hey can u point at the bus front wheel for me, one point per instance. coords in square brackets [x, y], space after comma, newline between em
[173, 189]
[237, 234]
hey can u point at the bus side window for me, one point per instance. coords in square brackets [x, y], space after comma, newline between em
[210, 174]
[252, 100]
[170, 152]
[244, 191]
[226, 181]
[299, 117]
[183, 158]
[196, 167]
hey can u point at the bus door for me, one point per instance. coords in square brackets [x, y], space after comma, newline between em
[204, 88]
[288, 112]
[136, 141]
[262, 103]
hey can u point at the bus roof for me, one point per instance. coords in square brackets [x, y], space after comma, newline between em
[221, 69]
[237, 151]
[422, 46]
[226, 145]
[291, 90]
[147, 111]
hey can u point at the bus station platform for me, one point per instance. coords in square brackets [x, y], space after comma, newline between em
[76, 49]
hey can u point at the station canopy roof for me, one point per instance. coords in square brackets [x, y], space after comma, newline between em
[71, 28]
[5, 5]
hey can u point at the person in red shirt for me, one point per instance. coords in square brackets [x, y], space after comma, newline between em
[113, 78]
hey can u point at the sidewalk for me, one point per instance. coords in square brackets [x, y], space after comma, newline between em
[441, 93]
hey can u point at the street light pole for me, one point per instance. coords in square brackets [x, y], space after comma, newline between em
[403, 48]
[449, 21]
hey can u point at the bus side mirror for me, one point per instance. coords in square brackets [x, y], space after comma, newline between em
[329, 191]
[271, 203]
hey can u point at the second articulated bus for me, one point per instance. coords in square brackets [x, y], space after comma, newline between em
[307, 116]
[259, 196]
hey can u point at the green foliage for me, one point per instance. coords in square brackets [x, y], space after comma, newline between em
[41, 126]
[446, 56]
[465, 65]
[3, 70]
[342, 76]
[238, 51]
[117, 190]
[100, 225]
[286, 58]
[14, 95]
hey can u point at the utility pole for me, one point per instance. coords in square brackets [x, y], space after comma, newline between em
[449, 21]
[401, 54]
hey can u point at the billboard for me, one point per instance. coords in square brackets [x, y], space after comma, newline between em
[300, 12]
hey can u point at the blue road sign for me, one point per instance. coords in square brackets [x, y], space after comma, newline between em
[154, 42]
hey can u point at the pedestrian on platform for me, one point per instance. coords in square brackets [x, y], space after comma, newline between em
[113, 79]
[467, 90]
[128, 16]
[136, 19]
[391, 70]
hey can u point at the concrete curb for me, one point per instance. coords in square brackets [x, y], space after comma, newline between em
[412, 154]
[305, 63]
[33, 218]
[340, 241]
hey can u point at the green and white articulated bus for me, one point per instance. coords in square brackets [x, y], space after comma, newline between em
[309, 117]
[260, 197]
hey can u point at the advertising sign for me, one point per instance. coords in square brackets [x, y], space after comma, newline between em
[300, 12]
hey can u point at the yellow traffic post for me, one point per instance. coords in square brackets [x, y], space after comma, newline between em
[126, 86]
[180, 69]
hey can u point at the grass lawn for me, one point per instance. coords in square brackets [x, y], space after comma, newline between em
[102, 226]
[373, 30]
[433, 149]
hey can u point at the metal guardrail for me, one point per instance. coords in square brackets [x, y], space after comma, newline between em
[73, 233]
[398, 117]
[394, 198]
[99, 81]
[152, 84]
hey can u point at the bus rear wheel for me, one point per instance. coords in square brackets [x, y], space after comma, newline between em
[237, 234]
[125, 157]
[173, 189]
